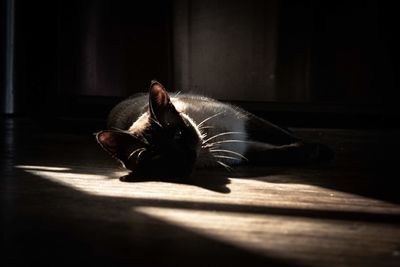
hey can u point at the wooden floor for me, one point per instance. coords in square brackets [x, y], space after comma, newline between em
[62, 204]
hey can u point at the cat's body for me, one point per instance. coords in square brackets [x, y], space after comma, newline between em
[198, 132]
[222, 118]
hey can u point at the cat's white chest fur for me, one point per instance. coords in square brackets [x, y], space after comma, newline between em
[223, 130]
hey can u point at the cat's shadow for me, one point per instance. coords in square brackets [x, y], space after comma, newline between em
[218, 179]
[215, 180]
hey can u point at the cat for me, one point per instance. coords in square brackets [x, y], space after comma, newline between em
[155, 134]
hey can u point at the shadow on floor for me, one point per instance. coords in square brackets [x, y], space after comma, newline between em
[45, 223]
[365, 161]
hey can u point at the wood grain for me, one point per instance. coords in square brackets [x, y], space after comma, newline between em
[62, 203]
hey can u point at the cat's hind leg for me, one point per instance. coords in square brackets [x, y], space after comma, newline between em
[271, 144]
[259, 153]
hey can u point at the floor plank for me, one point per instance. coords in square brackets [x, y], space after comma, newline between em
[62, 202]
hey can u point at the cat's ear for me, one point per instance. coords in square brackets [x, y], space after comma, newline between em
[120, 144]
[161, 108]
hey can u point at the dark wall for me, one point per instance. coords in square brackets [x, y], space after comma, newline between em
[2, 50]
[337, 52]
[352, 57]
[35, 58]
[69, 51]
[78, 58]
[226, 49]
[113, 48]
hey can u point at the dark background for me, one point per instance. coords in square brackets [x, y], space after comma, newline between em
[330, 63]
[297, 63]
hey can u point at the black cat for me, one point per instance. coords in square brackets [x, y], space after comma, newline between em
[159, 135]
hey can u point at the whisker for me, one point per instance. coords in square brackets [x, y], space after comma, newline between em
[226, 166]
[206, 127]
[178, 93]
[221, 134]
[145, 140]
[225, 141]
[156, 122]
[230, 152]
[207, 146]
[135, 151]
[209, 118]
[225, 157]
[140, 153]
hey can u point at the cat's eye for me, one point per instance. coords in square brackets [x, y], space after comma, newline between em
[178, 135]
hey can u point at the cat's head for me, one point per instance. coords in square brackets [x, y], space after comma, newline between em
[163, 143]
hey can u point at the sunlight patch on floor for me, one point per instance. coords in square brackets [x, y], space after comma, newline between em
[42, 168]
[282, 236]
[244, 192]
